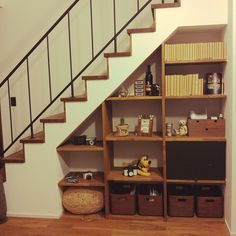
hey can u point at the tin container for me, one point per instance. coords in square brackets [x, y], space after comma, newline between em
[214, 83]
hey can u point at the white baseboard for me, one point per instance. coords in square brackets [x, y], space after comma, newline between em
[231, 233]
[25, 215]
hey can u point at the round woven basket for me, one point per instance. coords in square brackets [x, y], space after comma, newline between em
[83, 200]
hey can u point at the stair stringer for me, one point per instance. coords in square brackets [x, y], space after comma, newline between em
[31, 188]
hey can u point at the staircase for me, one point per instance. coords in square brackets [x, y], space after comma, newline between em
[34, 183]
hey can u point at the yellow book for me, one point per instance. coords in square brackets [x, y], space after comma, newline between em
[225, 51]
[190, 79]
[177, 85]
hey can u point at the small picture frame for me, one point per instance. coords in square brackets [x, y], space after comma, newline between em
[145, 125]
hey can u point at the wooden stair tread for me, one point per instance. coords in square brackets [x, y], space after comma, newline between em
[38, 138]
[141, 30]
[17, 157]
[117, 54]
[58, 118]
[95, 77]
[75, 99]
[165, 5]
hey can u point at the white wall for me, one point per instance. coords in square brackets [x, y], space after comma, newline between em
[230, 193]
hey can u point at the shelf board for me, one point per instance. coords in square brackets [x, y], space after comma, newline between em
[97, 181]
[81, 148]
[199, 139]
[134, 98]
[133, 137]
[207, 96]
[196, 61]
[117, 175]
[196, 181]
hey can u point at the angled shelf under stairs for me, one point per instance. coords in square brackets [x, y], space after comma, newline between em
[113, 174]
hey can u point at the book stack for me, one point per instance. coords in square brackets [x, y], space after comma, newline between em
[184, 85]
[195, 51]
[139, 88]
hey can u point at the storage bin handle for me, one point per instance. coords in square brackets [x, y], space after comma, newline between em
[182, 200]
[210, 200]
[150, 199]
[122, 199]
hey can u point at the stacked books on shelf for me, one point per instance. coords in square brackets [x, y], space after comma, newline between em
[195, 51]
[184, 85]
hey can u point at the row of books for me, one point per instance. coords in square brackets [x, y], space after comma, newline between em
[184, 85]
[195, 51]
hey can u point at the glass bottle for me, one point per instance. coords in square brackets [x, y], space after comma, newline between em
[148, 81]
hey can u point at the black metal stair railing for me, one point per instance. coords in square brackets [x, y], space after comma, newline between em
[45, 37]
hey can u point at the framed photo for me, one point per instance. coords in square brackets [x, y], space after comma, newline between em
[145, 125]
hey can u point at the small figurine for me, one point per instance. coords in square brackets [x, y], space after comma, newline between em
[183, 129]
[123, 92]
[143, 166]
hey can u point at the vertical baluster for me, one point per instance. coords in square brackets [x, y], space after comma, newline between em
[10, 114]
[114, 14]
[29, 93]
[137, 5]
[70, 53]
[91, 21]
[49, 70]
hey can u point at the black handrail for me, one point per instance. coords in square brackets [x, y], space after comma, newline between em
[37, 44]
[52, 100]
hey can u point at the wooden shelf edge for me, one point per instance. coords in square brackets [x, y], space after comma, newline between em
[133, 137]
[134, 98]
[196, 181]
[156, 176]
[80, 148]
[97, 181]
[196, 61]
[207, 96]
[192, 139]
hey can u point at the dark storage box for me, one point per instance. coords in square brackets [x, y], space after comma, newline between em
[209, 201]
[206, 128]
[123, 199]
[150, 200]
[180, 200]
[196, 160]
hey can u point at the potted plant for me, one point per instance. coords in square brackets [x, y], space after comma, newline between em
[122, 129]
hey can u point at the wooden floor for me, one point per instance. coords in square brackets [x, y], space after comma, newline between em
[96, 225]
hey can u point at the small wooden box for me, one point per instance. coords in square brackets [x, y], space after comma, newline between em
[206, 128]
[150, 205]
[180, 200]
[123, 199]
[209, 202]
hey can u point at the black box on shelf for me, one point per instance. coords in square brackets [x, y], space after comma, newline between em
[180, 200]
[196, 160]
[150, 200]
[123, 199]
[209, 201]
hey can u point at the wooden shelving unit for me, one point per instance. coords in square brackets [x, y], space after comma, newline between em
[168, 108]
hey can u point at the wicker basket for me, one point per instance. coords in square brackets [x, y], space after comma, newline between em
[83, 200]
